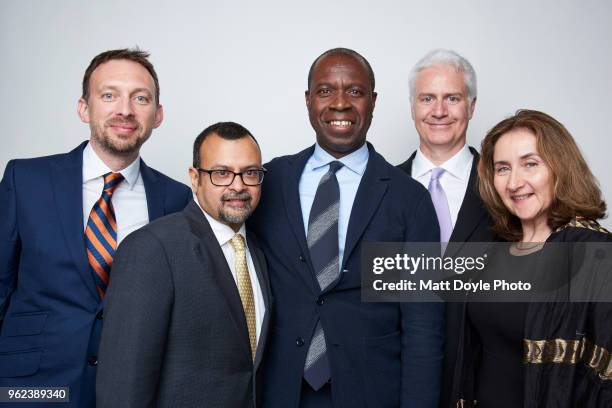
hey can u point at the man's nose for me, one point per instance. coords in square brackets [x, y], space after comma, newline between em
[237, 183]
[340, 102]
[440, 109]
[125, 107]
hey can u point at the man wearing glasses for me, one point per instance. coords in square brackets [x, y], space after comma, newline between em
[188, 305]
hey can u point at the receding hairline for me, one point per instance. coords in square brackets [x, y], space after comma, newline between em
[343, 52]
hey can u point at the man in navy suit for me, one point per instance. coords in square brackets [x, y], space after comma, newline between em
[328, 348]
[61, 218]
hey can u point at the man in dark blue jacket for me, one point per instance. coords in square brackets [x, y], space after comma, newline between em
[61, 219]
[328, 348]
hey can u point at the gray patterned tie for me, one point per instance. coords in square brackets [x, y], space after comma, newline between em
[323, 245]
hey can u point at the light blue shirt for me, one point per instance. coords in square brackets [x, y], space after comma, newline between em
[349, 177]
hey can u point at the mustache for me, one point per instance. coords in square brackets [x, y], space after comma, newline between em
[123, 121]
[245, 195]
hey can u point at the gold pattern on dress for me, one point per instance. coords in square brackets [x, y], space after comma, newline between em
[580, 222]
[563, 351]
[463, 403]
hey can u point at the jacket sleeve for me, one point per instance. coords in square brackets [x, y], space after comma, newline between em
[10, 244]
[136, 322]
[422, 325]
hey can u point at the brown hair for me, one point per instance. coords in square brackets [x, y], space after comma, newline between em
[576, 191]
[130, 54]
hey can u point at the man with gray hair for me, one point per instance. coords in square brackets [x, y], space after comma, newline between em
[443, 98]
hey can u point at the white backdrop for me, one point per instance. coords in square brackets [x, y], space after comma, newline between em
[247, 61]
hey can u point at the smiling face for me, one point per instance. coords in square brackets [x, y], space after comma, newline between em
[441, 111]
[232, 204]
[522, 179]
[340, 102]
[121, 109]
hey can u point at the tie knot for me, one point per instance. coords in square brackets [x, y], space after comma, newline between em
[111, 181]
[335, 166]
[436, 172]
[237, 242]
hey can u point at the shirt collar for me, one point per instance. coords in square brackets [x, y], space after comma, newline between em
[458, 166]
[223, 232]
[94, 167]
[355, 161]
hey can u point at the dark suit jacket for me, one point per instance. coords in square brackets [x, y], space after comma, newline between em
[473, 225]
[380, 354]
[50, 309]
[175, 332]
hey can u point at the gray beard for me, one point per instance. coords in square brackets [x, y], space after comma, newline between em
[235, 218]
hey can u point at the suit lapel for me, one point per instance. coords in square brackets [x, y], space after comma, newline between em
[372, 189]
[67, 182]
[407, 165]
[291, 195]
[154, 194]
[471, 213]
[212, 255]
[262, 277]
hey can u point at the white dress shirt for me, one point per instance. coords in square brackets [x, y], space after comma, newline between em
[454, 180]
[224, 233]
[129, 199]
[349, 176]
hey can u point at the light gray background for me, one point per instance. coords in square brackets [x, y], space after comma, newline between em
[247, 61]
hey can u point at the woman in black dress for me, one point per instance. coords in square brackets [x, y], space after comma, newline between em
[541, 194]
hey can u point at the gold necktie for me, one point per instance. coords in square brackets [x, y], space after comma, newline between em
[245, 289]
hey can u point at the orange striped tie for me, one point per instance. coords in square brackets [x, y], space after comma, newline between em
[101, 233]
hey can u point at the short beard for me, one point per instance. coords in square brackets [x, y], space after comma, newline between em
[105, 141]
[235, 218]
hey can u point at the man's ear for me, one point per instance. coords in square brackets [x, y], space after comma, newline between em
[159, 116]
[194, 175]
[83, 110]
[472, 107]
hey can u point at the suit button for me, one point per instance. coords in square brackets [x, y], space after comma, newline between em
[299, 342]
[320, 301]
[302, 259]
[92, 360]
[99, 315]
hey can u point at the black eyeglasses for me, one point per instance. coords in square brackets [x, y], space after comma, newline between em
[224, 178]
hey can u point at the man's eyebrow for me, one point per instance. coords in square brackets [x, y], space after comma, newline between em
[141, 90]
[116, 88]
[253, 166]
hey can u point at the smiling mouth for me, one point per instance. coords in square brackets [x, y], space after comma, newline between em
[123, 128]
[237, 203]
[340, 124]
[521, 197]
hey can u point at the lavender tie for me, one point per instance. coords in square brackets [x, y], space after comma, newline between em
[441, 205]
